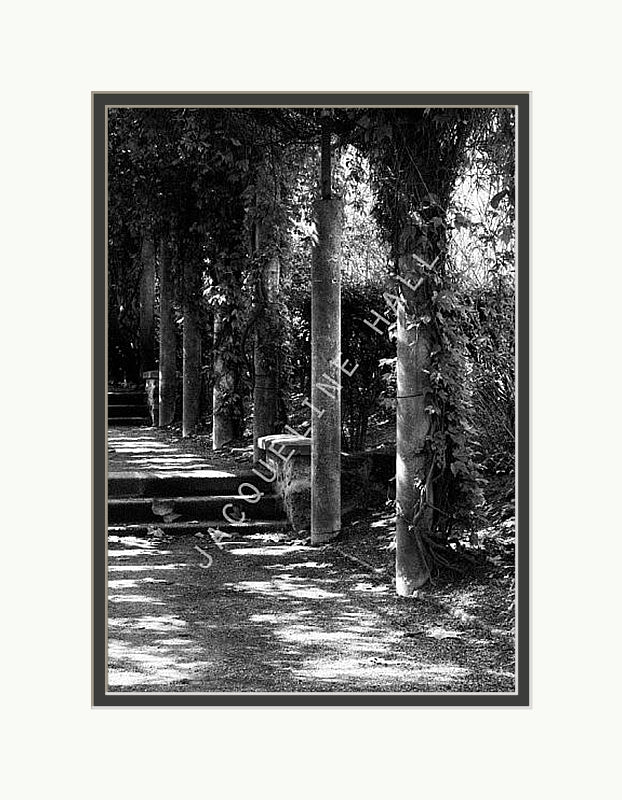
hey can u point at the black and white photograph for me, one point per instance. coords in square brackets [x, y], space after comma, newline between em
[311, 439]
[312, 399]
[304, 494]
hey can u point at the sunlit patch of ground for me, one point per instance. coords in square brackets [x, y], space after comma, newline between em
[377, 669]
[134, 598]
[283, 586]
[171, 660]
[164, 453]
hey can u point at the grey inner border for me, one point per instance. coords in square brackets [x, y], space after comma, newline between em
[100, 102]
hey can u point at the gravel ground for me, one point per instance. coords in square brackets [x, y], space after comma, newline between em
[265, 615]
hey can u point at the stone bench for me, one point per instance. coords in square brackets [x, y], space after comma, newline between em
[287, 458]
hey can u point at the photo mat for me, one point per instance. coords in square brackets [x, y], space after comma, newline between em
[164, 635]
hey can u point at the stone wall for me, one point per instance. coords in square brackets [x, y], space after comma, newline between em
[289, 458]
[367, 479]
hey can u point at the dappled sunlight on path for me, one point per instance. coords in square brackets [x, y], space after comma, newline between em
[161, 452]
[266, 617]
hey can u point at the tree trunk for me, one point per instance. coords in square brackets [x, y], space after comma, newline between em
[147, 296]
[413, 484]
[265, 356]
[191, 347]
[325, 361]
[223, 424]
[168, 344]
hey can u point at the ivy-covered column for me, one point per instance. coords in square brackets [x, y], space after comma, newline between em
[223, 424]
[147, 296]
[267, 343]
[168, 344]
[325, 358]
[191, 346]
[413, 455]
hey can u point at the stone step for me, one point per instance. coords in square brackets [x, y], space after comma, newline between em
[128, 422]
[128, 411]
[205, 483]
[192, 528]
[126, 398]
[139, 509]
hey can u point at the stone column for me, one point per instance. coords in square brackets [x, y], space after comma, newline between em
[325, 360]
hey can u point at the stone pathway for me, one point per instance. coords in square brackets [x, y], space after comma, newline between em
[164, 452]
